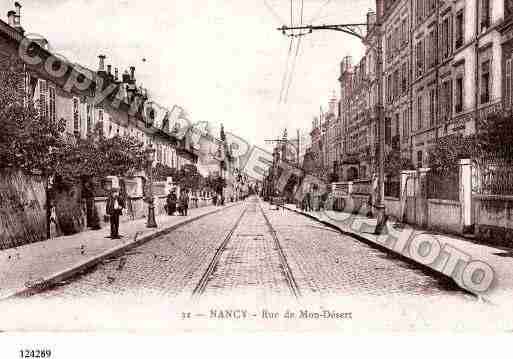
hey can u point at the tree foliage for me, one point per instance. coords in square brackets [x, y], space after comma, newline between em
[28, 141]
[395, 163]
[446, 152]
[494, 139]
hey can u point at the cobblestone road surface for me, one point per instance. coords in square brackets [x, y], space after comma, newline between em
[322, 261]
[152, 286]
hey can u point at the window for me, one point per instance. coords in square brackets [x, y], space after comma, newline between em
[485, 14]
[76, 116]
[419, 10]
[406, 126]
[446, 38]
[100, 120]
[43, 91]
[405, 78]
[89, 119]
[507, 87]
[389, 48]
[419, 113]
[388, 131]
[51, 104]
[432, 107]
[459, 30]
[431, 57]
[458, 106]
[396, 84]
[431, 6]
[485, 81]
[419, 50]
[446, 100]
[404, 32]
[419, 159]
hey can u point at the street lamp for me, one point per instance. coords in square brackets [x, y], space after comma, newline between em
[356, 31]
[150, 157]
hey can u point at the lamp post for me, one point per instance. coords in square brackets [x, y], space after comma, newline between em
[150, 157]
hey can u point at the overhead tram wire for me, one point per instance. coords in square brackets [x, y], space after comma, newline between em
[285, 73]
[298, 46]
[318, 13]
[273, 12]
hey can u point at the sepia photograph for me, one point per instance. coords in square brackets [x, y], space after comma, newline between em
[266, 166]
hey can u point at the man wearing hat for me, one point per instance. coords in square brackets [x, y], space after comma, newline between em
[115, 206]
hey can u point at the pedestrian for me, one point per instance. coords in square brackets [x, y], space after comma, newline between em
[308, 206]
[115, 206]
[214, 199]
[171, 202]
[184, 202]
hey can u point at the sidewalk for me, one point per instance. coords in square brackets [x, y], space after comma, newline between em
[37, 265]
[454, 257]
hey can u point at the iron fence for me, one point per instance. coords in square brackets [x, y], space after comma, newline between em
[443, 185]
[494, 178]
[392, 189]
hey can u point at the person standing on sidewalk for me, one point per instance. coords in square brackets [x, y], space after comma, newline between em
[171, 202]
[115, 205]
[184, 202]
[307, 200]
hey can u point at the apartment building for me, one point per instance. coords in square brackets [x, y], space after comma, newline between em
[506, 30]
[359, 97]
[397, 62]
[125, 110]
[457, 71]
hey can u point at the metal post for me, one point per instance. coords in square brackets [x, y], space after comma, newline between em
[380, 203]
[151, 203]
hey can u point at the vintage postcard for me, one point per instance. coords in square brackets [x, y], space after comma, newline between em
[256, 166]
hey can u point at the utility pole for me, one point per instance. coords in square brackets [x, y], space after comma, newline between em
[357, 30]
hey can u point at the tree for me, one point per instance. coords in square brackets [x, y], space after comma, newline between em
[395, 163]
[29, 141]
[494, 138]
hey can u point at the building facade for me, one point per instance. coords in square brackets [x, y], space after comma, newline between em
[124, 111]
[446, 66]
[397, 63]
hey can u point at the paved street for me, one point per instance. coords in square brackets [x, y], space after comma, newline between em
[322, 262]
[231, 258]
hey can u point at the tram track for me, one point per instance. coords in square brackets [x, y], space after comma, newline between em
[202, 284]
[216, 263]
[287, 272]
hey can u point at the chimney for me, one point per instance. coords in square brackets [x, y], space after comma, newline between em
[371, 20]
[109, 70]
[126, 77]
[101, 66]
[380, 10]
[116, 74]
[17, 17]
[132, 73]
[10, 17]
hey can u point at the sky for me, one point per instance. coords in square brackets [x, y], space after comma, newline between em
[222, 60]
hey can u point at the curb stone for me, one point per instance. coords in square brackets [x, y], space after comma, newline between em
[41, 284]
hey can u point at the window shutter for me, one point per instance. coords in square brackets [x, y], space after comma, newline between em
[76, 116]
[508, 83]
[42, 100]
[51, 104]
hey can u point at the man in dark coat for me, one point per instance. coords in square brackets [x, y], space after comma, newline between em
[308, 202]
[115, 206]
[184, 202]
[171, 203]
